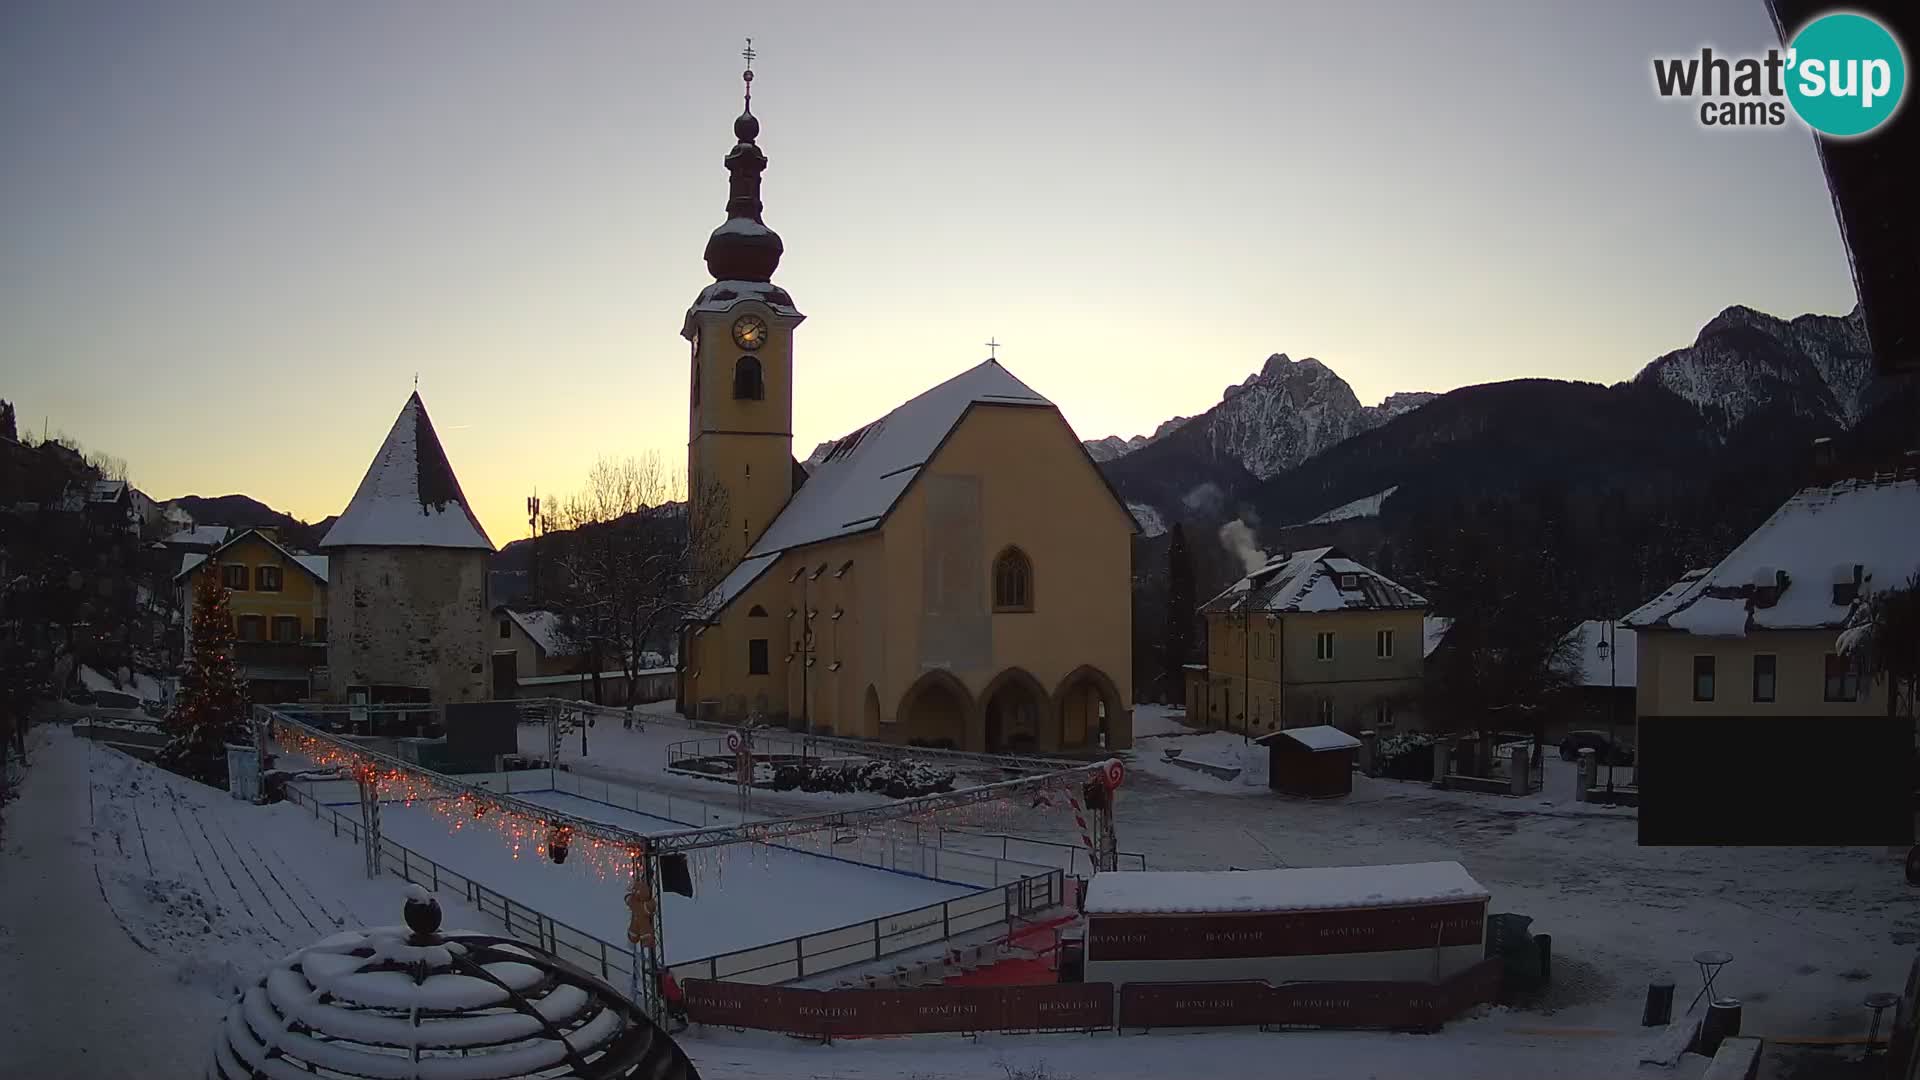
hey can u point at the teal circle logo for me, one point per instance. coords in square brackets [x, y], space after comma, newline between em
[1846, 74]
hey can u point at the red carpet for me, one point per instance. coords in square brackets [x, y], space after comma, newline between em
[1041, 938]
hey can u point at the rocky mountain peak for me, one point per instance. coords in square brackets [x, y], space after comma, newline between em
[1280, 415]
[1745, 361]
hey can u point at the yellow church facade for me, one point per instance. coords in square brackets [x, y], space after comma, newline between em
[956, 573]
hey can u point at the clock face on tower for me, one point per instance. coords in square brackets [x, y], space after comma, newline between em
[749, 332]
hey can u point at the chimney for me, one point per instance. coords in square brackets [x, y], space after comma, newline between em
[1826, 463]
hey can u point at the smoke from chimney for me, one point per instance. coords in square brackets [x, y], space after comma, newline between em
[1237, 538]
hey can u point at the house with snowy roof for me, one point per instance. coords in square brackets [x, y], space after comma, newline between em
[1757, 634]
[407, 607]
[278, 601]
[1313, 638]
[957, 572]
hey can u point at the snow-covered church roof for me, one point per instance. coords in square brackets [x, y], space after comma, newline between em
[1783, 576]
[1317, 579]
[409, 497]
[856, 484]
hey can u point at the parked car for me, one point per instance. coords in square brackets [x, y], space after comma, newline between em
[1605, 750]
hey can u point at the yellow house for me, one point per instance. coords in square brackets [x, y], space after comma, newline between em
[956, 573]
[1312, 637]
[1758, 634]
[279, 607]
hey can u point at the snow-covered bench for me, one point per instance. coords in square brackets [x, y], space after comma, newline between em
[1214, 769]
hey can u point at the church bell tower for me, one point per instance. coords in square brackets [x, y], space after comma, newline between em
[740, 405]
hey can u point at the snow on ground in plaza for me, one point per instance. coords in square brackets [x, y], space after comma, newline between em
[1496, 1045]
[1812, 932]
[1224, 748]
[121, 939]
[744, 894]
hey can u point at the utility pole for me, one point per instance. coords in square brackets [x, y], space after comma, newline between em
[533, 535]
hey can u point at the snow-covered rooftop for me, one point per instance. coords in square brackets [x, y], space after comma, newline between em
[743, 574]
[313, 564]
[1434, 630]
[1316, 738]
[200, 536]
[1619, 668]
[409, 497]
[1815, 540]
[1310, 581]
[854, 487]
[1167, 892]
[546, 630]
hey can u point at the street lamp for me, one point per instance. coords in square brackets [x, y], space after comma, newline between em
[1606, 651]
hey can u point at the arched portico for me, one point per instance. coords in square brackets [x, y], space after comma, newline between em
[936, 708]
[1011, 714]
[1086, 704]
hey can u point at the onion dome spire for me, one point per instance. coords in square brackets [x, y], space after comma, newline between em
[743, 248]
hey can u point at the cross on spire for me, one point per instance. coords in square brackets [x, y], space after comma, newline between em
[748, 54]
[993, 349]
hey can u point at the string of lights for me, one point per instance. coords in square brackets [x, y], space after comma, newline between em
[614, 852]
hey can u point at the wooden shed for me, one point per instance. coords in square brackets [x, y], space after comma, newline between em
[1311, 762]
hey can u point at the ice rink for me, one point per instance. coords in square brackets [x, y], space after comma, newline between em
[744, 895]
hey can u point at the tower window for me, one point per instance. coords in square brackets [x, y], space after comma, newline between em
[757, 656]
[1012, 581]
[747, 384]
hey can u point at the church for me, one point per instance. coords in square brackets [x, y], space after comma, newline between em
[957, 573]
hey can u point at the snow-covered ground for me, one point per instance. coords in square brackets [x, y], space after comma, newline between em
[744, 895]
[132, 900]
[121, 974]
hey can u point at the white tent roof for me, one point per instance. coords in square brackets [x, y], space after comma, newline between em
[409, 497]
[1169, 892]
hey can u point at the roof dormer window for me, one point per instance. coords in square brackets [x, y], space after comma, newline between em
[1349, 582]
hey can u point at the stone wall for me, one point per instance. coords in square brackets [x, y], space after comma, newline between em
[402, 616]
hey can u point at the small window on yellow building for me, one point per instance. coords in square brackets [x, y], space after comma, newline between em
[234, 577]
[266, 578]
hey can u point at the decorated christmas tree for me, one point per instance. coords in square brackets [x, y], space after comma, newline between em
[211, 708]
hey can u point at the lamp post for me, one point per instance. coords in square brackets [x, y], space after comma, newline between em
[1606, 651]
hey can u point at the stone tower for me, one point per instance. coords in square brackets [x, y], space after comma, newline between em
[407, 597]
[740, 411]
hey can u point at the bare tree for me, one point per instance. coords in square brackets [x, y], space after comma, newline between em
[627, 563]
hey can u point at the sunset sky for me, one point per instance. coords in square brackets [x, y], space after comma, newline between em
[234, 232]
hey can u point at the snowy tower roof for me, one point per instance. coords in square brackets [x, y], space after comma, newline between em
[409, 497]
[408, 1001]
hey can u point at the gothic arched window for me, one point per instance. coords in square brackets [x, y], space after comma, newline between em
[1012, 581]
[747, 385]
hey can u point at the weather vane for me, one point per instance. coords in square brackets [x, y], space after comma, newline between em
[749, 54]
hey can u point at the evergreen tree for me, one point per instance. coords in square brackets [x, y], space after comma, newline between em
[1180, 611]
[211, 709]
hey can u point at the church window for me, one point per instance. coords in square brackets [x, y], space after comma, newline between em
[747, 384]
[506, 629]
[1013, 581]
[756, 612]
[696, 386]
[757, 656]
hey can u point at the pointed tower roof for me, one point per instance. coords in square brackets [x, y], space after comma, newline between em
[409, 497]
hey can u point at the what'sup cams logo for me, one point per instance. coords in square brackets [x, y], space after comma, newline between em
[1843, 75]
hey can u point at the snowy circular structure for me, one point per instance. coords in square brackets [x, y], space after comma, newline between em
[408, 1002]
